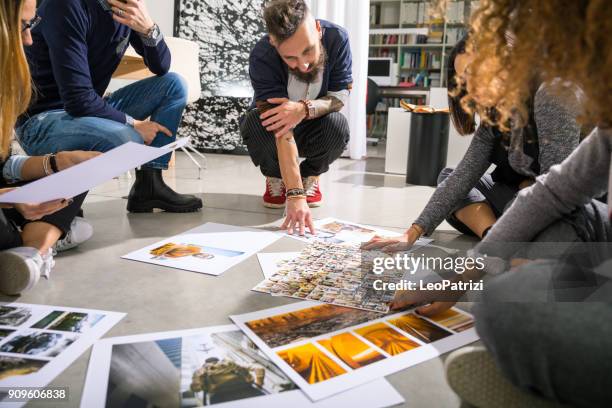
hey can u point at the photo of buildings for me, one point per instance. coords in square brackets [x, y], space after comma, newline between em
[191, 371]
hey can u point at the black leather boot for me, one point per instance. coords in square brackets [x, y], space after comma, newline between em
[150, 192]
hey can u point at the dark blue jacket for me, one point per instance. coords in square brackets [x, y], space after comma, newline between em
[270, 75]
[77, 48]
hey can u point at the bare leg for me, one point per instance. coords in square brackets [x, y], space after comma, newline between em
[40, 235]
[478, 217]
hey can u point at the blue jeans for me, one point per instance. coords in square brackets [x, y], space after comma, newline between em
[162, 99]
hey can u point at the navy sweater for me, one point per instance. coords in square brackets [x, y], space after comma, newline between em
[77, 48]
[270, 75]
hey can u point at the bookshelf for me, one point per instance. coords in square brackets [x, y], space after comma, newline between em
[403, 30]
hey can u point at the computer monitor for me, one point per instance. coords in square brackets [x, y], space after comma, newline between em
[382, 71]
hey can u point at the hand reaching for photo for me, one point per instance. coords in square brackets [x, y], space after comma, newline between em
[428, 302]
[392, 244]
[298, 218]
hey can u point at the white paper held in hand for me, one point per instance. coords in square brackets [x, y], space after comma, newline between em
[89, 174]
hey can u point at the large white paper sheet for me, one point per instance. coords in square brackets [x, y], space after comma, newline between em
[327, 349]
[336, 231]
[38, 342]
[164, 369]
[87, 175]
[211, 248]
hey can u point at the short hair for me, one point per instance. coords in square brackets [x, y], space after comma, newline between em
[284, 17]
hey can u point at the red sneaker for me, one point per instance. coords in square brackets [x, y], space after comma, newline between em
[274, 197]
[314, 197]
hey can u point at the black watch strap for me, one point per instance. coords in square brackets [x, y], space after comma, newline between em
[53, 163]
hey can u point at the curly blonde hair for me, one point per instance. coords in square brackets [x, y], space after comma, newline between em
[513, 41]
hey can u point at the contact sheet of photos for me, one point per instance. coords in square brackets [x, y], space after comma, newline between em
[336, 231]
[212, 366]
[326, 349]
[38, 342]
[332, 273]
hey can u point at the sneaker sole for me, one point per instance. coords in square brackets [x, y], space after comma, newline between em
[315, 205]
[15, 275]
[273, 206]
[472, 373]
[150, 207]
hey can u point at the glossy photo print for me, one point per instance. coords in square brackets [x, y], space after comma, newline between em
[325, 348]
[210, 249]
[212, 366]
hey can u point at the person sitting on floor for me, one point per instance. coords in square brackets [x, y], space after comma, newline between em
[301, 72]
[78, 45]
[468, 198]
[522, 318]
[29, 233]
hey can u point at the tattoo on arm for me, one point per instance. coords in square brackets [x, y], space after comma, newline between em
[326, 105]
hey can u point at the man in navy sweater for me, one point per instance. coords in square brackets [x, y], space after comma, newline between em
[77, 47]
[302, 76]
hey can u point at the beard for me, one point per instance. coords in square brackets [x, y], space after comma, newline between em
[311, 76]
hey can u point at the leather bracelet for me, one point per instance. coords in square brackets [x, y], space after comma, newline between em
[295, 192]
[307, 109]
[53, 163]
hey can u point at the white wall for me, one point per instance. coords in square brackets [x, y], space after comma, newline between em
[162, 12]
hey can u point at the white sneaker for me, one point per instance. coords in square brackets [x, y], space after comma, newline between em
[20, 269]
[48, 264]
[472, 373]
[80, 231]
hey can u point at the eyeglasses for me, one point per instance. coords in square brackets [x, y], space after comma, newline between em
[29, 25]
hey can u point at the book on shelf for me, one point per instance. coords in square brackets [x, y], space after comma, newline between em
[423, 13]
[455, 12]
[410, 13]
[389, 14]
[453, 35]
[421, 59]
[436, 31]
[394, 39]
[374, 14]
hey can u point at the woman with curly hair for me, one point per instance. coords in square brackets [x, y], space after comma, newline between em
[545, 324]
[472, 200]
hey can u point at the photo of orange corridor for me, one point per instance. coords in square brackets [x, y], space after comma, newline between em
[354, 352]
[311, 363]
[384, 337]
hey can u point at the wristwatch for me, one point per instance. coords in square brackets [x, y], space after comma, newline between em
[152, 37]
[311, 111]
